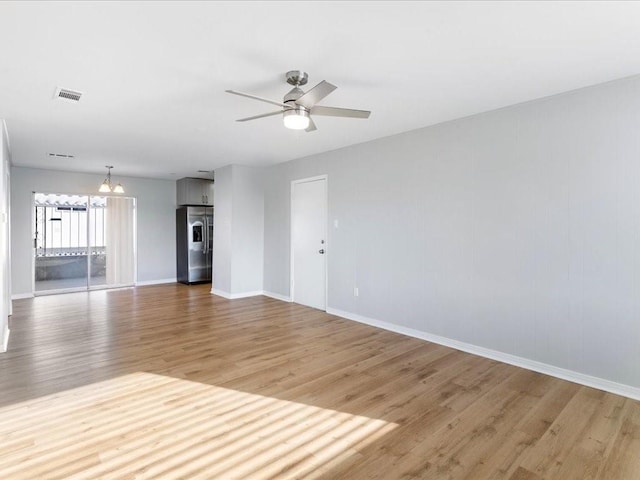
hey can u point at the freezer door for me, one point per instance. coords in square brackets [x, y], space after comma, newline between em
[199, 270]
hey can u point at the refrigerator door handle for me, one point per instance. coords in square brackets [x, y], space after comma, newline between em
[205, 237]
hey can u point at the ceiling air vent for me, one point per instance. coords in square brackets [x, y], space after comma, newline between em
[62, 155]
[66, 94]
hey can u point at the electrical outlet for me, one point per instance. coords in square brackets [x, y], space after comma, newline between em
[335, 223]
[355, 291]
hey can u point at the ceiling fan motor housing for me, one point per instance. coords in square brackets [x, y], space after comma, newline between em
[294, 94]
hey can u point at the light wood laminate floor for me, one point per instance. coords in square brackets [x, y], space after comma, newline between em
[172, 382]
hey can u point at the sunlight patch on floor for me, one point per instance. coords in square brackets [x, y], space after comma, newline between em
[144, 425]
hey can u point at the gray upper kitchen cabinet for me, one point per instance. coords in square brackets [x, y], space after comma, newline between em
[194, 191]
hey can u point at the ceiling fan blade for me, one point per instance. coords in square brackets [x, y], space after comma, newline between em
[340, 112]
[311, 127]
[273, 102]
[316, 94]
[279, 112]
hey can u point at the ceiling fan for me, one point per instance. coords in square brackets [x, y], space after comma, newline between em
[298, 106]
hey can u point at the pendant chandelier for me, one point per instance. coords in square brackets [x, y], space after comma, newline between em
[106, 186]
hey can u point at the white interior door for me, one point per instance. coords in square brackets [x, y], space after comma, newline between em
[309, 241]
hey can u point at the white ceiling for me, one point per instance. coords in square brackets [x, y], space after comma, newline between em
[154, 74]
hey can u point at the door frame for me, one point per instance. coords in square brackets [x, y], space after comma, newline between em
[326, 239]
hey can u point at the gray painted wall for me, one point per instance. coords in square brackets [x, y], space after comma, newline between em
[156, 204]
[222, 216]
[248, 230]
[238, 230]
[516, 230]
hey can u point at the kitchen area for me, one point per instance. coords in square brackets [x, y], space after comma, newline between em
[194, 230]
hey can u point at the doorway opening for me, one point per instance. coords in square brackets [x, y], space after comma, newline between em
[83, 242]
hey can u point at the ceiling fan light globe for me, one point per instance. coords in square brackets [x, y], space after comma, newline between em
[296, 119]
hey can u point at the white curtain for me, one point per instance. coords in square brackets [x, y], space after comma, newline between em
[120, 240]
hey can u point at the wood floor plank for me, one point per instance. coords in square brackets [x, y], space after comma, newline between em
[623, 460]
[171, 382]
[524, 474]
[555, 447]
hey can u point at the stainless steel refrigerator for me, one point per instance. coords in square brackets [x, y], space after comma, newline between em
[194, 241]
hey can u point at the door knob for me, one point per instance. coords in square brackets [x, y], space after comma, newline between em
[321, 251]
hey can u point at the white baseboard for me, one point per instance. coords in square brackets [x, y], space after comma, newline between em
[20, 296]
[277, 296]
[221, 293]
[233, 296]
[5, 336]
[564, 374]
[156, 282]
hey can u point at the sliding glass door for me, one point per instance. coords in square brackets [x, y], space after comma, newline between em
[83, 242]
[60, 242]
